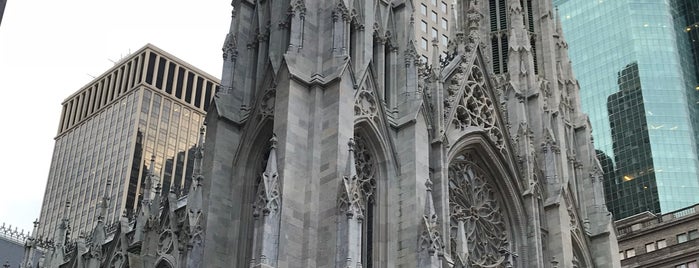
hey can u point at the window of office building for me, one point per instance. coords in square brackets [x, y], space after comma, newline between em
[444, 40]
[681, 238]
[691, 264]
[423, 9]
[433, 16]
[693, 234]
[650, 247]
[443, 7]
[621, 255]
[423, 43]
[434, 33]
[661, 244]
[444, 24]
[630, 253]
[423, 26]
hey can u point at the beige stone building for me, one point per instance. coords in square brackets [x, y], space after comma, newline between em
[148, 104]
[670, 240]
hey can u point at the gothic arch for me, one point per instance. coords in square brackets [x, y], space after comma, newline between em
[369, 140]
[492, 185]
[581, 258]
[164, 263]
[249, 163]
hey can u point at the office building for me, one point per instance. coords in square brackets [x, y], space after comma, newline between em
[636, 65]
[432, 24]
[149, 104]
[653, 240]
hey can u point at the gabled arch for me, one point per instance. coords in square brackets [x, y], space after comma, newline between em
[502, 181]
[581, 258]
[385, 179]
[377, 121]
[248, 164]
[472, 104]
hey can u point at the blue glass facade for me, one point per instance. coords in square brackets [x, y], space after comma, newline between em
[636, 69]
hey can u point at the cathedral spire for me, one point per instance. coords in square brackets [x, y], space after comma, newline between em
[195, 194]
[148, 182]
[102, 213]
[350, 218]
[267, 212]
[520, 63]
[430, 241]
[230, 55]
[30, 247]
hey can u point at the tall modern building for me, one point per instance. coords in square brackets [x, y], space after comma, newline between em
[150, 104]
[636, 63]
[432, 23]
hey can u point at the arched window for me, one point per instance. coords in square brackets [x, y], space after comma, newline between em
[366, 176]
[480, 236]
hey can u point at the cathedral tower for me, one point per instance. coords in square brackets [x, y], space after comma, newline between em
[331, 144]
[379, 160]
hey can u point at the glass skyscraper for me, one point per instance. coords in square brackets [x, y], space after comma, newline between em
[150, 104]
[635, 61]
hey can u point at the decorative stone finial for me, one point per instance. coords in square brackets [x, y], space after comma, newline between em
[351, 144]
[152, 163]
[273, 141]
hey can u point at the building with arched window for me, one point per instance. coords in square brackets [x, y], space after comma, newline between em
[332, 144]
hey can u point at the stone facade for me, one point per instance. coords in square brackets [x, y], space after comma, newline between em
[668, 240]
[332, 145]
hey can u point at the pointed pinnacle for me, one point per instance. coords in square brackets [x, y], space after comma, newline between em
[201, 135]
[152, 164]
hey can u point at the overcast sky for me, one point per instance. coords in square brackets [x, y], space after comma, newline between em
[49, 49]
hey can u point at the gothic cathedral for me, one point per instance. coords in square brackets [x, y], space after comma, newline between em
[334, 143]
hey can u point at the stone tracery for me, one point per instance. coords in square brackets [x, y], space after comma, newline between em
[473, 106]
[479, 234]
[366, 171]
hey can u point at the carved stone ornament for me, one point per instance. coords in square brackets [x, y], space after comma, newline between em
[268, 191]
[365, 104]
[573, 218]
[341, 11]
[230, 49]
[430, 238]
[350, 198]
[474, 107]
[298, 8]
[166, 242]
[266, 109]
[118, 261]
[479, 235]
